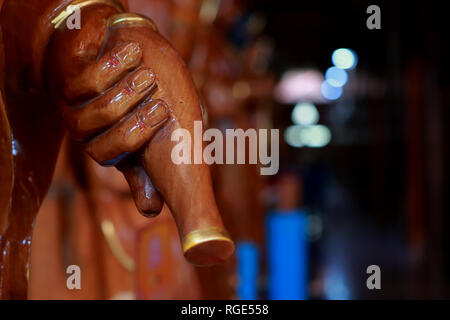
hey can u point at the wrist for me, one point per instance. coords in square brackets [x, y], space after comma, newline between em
[55, 17]
[74, 5]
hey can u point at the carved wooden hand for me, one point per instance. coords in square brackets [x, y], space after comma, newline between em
[123, 89]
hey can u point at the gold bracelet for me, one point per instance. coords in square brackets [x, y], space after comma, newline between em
[200, 236]
[130, 18]
[78, 4]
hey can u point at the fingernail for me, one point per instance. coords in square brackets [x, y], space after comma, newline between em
[142, 80]
[130, 54]
[156, 112]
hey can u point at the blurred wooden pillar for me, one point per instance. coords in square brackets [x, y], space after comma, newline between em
[414, 192]
[435, 147]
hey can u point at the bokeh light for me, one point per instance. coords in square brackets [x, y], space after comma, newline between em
[300, 84]
[344, 58]
[336, 77]
[330, 92]
[305, 114]
[292, 136]
[316, 136]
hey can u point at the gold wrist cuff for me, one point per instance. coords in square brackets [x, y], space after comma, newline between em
[207, 246]
[78, 4]
[130, 18]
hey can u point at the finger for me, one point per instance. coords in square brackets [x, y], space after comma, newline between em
[105, 72]
[148, 200]
[109, 108]
[128, 135]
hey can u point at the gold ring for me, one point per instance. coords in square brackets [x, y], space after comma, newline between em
[78, 4]
[200, 236]
[130, 18]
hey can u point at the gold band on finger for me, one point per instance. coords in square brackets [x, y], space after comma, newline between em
[78, 4]
[132, 19]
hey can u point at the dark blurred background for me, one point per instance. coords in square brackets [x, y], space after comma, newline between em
[379, 188]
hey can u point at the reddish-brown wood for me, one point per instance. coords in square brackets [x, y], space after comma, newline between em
[37, 127]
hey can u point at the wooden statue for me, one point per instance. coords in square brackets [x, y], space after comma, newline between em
[120, 87]
[89, 220]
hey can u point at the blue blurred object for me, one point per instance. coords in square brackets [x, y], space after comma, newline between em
[287, 255]
[238, 34]
[248, 268]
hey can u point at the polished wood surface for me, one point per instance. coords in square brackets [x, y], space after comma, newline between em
[140, 259]
[186, 188]
[37, 120]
